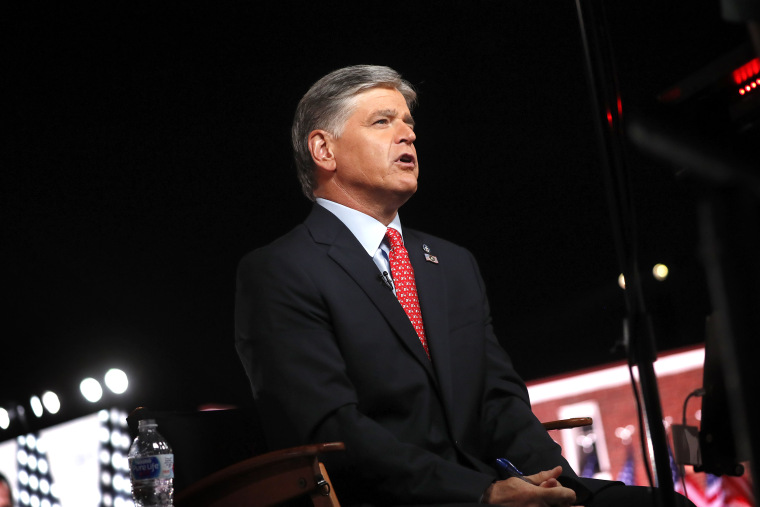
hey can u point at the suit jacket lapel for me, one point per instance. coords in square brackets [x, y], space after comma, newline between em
[346, 250]
[431, 290]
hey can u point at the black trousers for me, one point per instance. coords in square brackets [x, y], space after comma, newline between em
[616, 495]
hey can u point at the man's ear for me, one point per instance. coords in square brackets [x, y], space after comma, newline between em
[320, 147]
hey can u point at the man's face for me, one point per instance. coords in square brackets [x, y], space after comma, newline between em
[376, 162]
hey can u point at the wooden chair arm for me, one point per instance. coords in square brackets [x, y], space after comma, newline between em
[562, 424]
[267, 479]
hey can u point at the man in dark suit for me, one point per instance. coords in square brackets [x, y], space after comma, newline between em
[328, 326]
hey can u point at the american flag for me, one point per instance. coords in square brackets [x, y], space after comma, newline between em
[738, 491]
[590, 465]
[693, 492]
[674, 470]
[725, 491]
[627, 473]
[714, 494]
[684, 483]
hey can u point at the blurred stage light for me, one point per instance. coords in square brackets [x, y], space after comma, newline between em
[625, 434]
[36, 405]
[91, 389]
[117, 381]
[51, 402]
[621, 281]
[660, 272]
[5, 419]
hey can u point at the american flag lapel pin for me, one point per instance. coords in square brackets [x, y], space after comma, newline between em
[428, 256]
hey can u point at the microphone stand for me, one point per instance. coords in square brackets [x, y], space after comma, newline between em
[638, 330]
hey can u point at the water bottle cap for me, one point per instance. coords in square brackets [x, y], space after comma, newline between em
[146, 423]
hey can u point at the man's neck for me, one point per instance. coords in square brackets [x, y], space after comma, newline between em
[336, 206]
[383, 214]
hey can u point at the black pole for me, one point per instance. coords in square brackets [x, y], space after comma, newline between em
[729, 222]
[640, 341]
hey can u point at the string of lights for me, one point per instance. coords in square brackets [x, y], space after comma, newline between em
[69, 446]
[14, 418]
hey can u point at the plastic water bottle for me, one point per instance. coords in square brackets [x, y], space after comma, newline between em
[151, 467]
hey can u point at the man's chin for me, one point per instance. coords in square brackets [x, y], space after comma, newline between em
[404, 193]
[407, 182]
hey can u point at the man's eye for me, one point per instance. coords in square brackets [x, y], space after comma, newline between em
[382, 121]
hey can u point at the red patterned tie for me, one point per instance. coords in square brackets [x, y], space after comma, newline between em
[403, 281]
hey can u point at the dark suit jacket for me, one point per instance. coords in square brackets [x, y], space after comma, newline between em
[332, 356]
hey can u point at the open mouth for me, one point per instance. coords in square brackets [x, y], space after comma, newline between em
[406, 158]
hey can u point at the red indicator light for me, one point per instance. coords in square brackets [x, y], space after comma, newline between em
[741, 91]
[746, 71]
[753, 85]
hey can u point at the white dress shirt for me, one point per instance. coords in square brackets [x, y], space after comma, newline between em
[369, 232]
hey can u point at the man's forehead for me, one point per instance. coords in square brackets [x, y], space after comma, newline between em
[382, 101]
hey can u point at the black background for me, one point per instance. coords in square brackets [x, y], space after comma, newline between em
[149, 150]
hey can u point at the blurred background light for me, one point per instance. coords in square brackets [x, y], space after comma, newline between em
[660, 272]
[5, 419]
[625, 434]
[621, 281]
[36, 405]
[51, 402]
[91, 389]
[117, 380]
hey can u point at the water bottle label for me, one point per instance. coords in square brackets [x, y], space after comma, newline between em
[152, 467]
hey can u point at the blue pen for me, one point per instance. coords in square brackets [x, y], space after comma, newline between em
[506, 466]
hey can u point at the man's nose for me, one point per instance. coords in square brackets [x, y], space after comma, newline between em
[406, 134]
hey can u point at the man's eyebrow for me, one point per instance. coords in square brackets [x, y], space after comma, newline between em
[394, 113]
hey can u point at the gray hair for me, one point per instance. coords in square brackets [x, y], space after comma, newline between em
[330, 102]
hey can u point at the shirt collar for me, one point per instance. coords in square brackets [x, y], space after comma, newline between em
[367, 230]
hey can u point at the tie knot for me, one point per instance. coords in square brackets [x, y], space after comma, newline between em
[394, 237]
